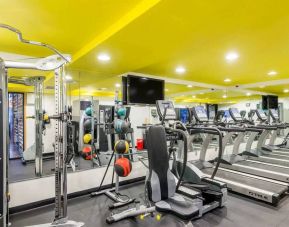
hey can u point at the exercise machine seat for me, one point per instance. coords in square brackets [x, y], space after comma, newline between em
[161, 183]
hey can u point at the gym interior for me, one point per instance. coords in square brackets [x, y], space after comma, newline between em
[144, 113]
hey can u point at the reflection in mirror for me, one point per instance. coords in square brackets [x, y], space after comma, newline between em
[93, 117]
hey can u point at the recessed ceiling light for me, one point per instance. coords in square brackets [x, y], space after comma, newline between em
[180, 70]
[227, 80]
[272, 73]
[189, 85]
[68, 77]
[193, 96]
[117, 85]
[103, 57]
[248, 93]
[232, 56]
[286, 90]
[166, 89]
[225, 96]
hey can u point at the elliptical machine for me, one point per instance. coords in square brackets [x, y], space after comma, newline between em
[192, 182]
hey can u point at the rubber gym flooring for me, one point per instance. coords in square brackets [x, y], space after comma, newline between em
[239, 212]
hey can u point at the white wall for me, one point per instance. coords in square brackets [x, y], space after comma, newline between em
[49, 136]
[139, 115]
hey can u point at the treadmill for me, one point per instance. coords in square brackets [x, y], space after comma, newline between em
[273, 113]
[263, 152]
[237, 162]
[260, 188]
[276, 122]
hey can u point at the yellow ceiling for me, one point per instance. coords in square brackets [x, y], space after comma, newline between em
[220, 96]
[155, 36]
[279, 89]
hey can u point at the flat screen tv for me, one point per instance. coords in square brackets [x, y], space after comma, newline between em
[270, 100]
[142, 90]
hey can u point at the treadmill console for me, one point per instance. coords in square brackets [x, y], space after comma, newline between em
[184, 115]
[219, 116]
[200, 114]
[170, 110]
[261, 115]
[274, 114]
[235, 114]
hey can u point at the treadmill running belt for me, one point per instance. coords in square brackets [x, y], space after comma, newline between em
[265, 167]
[248, 181]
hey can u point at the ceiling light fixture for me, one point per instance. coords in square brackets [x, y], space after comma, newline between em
[272, 73]
[225, 96]
[103, 57]
[117, 85]
[227, 80]
[232, 56]
[286, 90]
[166, 89]
[193, 96]
[68, 77]
[189, 85]
[248, 94]
[180, 70]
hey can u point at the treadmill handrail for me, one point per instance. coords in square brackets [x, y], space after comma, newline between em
[211, 130]
[266, 127]
[231, 129]
[254, 129]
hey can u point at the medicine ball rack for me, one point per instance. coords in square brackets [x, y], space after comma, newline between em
[113, 192]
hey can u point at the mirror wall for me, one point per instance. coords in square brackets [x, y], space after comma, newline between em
[81, 95]
[90, 148]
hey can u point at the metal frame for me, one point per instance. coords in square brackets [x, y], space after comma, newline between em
[62, 113]
[4, 142]
[61, 117]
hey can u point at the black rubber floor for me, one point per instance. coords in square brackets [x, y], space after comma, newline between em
[239, 212]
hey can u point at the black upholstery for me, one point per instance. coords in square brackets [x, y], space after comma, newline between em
[159, 160]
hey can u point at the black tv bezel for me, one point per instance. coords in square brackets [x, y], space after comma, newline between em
[127, 90]
[266, 103]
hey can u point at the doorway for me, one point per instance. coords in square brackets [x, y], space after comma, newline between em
[16, 124]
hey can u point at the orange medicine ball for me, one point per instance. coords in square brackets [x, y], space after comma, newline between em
[122, 167]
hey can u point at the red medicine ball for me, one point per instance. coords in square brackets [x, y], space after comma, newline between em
[86, 153]
[122, 167]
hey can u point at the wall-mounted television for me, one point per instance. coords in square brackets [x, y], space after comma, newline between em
[142, 90]
[270, 100]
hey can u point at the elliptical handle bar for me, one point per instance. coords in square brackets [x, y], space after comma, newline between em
[185, 153]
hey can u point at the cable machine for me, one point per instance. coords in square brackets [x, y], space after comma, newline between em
[63, 119]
